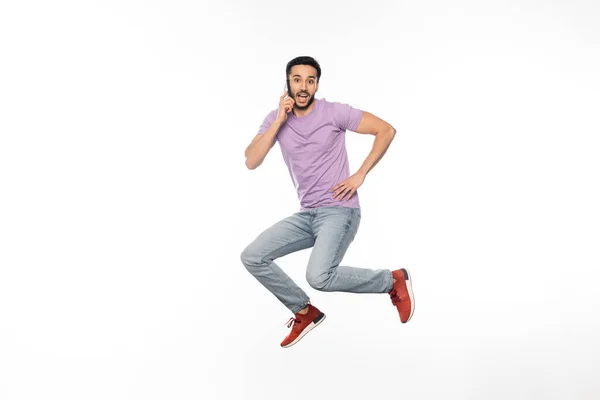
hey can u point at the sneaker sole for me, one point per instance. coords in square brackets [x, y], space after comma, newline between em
[309, 328]
[410, 293]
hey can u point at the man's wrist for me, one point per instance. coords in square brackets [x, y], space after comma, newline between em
[362, 171]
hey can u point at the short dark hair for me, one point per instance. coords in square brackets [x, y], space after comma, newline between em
[303, 60]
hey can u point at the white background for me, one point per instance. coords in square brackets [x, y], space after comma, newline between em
[125, 202]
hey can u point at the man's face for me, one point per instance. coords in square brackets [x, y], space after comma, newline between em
[303, 85]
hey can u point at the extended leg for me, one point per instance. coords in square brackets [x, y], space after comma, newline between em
[335, 228]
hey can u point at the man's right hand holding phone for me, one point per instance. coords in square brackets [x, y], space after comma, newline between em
[286, 105]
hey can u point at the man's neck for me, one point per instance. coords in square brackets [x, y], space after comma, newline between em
[303, 113]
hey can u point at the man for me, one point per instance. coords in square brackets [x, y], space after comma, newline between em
[311, 133]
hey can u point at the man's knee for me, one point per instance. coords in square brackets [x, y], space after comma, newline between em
[251, 257]
[248, 257]
[318, 281]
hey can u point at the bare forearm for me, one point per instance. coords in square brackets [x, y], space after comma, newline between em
[382, 142]
[257, 151]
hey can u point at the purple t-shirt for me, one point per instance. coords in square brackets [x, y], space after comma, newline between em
[314, 150]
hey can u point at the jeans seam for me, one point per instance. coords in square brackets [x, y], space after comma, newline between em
[346, 230]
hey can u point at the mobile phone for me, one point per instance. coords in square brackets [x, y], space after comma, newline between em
[289, 91]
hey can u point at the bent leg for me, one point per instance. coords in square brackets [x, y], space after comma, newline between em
[335, 228]
[286, 236]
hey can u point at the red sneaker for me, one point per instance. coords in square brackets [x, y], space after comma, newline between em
[402, 294]
[302, 325]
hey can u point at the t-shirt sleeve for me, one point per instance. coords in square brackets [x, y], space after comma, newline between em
[346, 117]
[267, 122]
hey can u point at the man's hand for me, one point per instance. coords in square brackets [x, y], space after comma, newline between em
[286, 105]
[348, 187]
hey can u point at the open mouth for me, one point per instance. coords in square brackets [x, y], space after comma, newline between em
[303, 97]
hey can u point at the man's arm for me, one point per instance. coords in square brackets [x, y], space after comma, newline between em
[263, 142]
[258, 149]
[384, 134]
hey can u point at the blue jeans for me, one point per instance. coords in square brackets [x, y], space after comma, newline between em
[329, 231]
